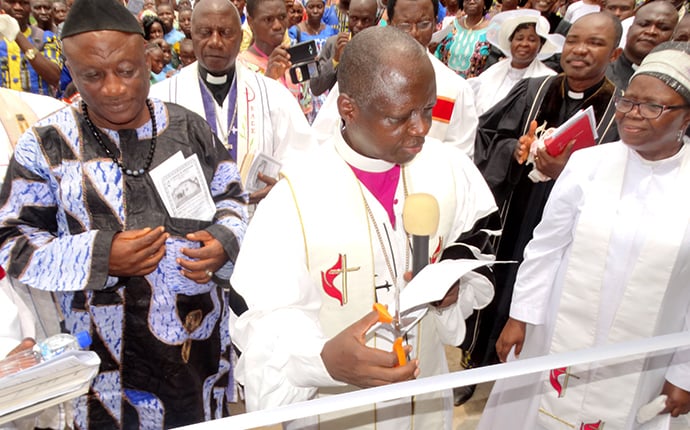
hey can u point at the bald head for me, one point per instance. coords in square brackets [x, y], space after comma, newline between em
[387, 95]
[365, 69]
[361, 3]
[214, 6]
[216, 35]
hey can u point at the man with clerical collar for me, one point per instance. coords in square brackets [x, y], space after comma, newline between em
[30, 58]
[591, 44]
[343, 248]
[233, 99]
[653, 24]
[133, 262]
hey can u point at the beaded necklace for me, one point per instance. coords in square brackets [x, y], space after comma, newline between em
[116, 160]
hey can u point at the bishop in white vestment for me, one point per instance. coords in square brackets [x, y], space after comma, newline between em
[328, 242]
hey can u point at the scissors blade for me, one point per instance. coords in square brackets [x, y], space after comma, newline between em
[396, 318]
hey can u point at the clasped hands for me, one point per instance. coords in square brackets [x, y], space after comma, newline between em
[348, 359]
[138, 253]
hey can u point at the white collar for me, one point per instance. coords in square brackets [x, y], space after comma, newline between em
[216, 80]
[358, 160]
[667, 163]
[575, 96]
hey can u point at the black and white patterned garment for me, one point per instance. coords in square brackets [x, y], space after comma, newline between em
[163, 339]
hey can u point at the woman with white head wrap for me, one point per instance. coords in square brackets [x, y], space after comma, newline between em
[609, 264]
[523, 37]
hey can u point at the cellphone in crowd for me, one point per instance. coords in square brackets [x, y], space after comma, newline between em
[303, 59]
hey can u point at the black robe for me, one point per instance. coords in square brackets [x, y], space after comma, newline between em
[620, 71]
[520, 200]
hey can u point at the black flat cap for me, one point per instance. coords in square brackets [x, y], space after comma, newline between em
[98, 15]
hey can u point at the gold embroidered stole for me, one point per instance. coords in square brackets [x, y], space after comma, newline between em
[340, 245]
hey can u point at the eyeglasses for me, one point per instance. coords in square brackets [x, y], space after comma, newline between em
[646, 110]
[420, 26]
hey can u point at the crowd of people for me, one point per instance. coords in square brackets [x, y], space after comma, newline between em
[222, 219]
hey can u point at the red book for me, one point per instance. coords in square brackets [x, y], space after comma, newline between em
[582, 127]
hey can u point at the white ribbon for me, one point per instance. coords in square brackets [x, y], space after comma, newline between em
[444, 382]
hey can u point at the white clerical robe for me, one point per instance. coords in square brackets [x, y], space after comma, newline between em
[651, 200]
[316, 213]
[496, 82]
[454, 117]
[269, 120]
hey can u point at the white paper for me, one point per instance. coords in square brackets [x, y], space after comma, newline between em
[650, 410]
[181, 184]
[430, 285]
[434, 280]
[65, 376]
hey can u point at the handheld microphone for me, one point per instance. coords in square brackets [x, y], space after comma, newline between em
[420, 219]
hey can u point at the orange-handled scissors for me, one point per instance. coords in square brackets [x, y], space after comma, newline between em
[386, 318]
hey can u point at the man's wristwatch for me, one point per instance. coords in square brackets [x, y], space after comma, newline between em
[30, 54]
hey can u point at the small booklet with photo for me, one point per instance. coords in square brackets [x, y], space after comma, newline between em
[181, 184]
[254, 163]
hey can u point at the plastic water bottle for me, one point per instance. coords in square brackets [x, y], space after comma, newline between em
[49, 348]
[62, 342]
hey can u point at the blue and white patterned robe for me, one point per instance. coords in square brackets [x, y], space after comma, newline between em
[163, 339]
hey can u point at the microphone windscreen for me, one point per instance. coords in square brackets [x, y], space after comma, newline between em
[420, 214]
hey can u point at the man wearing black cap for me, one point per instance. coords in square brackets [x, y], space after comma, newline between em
[84, 216]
